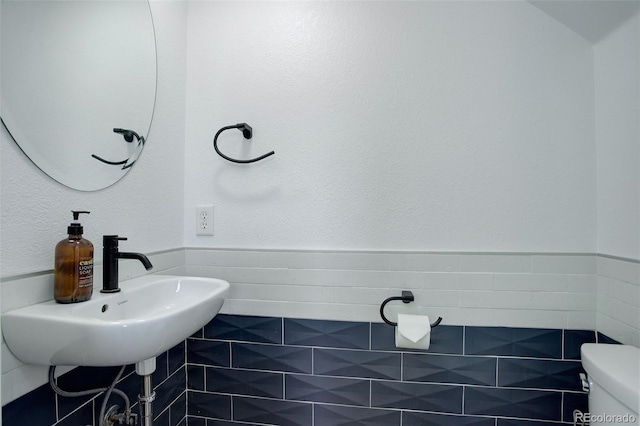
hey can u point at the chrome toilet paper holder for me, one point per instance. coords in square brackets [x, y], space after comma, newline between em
[406, 297]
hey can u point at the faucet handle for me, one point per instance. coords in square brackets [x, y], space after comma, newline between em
[111, 241]
[112, 237]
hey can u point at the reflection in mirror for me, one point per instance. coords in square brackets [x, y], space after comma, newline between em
[128, 136]
[74, 72]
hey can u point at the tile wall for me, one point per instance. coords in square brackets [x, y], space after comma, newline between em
[491, 289]
[618, 309]
[246, 370]
[253, 370]
[42, 407]
[300, 338]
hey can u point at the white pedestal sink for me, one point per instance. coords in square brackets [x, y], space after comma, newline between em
[150, 315]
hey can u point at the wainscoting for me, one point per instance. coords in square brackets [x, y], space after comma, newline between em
[300, 341]
[244, 370]
[248, 370]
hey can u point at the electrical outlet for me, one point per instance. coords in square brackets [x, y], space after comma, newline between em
[204, 220]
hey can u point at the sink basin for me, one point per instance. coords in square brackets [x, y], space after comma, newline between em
[150, 315]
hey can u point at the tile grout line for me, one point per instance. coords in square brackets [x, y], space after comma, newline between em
[282, 332]
[464, 391]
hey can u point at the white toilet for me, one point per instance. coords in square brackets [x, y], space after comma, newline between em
[613, 382]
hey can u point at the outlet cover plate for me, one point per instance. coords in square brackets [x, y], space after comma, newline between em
[204, 219]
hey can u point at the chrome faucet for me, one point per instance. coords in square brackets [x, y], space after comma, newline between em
[110, 256]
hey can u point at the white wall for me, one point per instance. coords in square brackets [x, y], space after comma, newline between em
[396, 125]
[617, 84]
[145, 206]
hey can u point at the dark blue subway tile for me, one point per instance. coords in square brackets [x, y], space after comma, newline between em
[245, 328]
[573, 339]
[198, 334]
[336, 390]
[216, 422]
[66, 405]
[80, 379]
[603, 338]
[334, 334]
[271, 357]
[509, 341]
[417, 396]
[162, 419]
[272, 411]
[515, 422]
[574, 401]
[208, 352]
[195, 377]
[244, 382]
[83, 378]
[449, 369]
[178, 409]
[539, 374]
[203, 404]
[196, 421]
[162, 368]
[82, 416]
[247, 358]
[131, 386]
[445, 339]
[339, 415]
[413, 418]
[176, 357]
[38, 407]
[357, 363]
[171, 389]
[529, 404]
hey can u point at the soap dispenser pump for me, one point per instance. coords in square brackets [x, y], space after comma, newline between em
[73, 270]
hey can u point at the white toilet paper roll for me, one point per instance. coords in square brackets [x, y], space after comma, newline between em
[413, 331]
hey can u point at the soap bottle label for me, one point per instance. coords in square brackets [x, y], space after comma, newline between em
[85, 273]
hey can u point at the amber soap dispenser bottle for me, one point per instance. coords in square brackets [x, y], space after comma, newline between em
[73, 270]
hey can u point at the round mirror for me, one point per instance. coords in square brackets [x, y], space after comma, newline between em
[78, 84]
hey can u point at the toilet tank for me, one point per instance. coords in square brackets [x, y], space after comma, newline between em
[613, 372]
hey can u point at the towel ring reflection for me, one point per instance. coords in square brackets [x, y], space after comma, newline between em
[247, 132]
[128, 137]
[406, 297]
